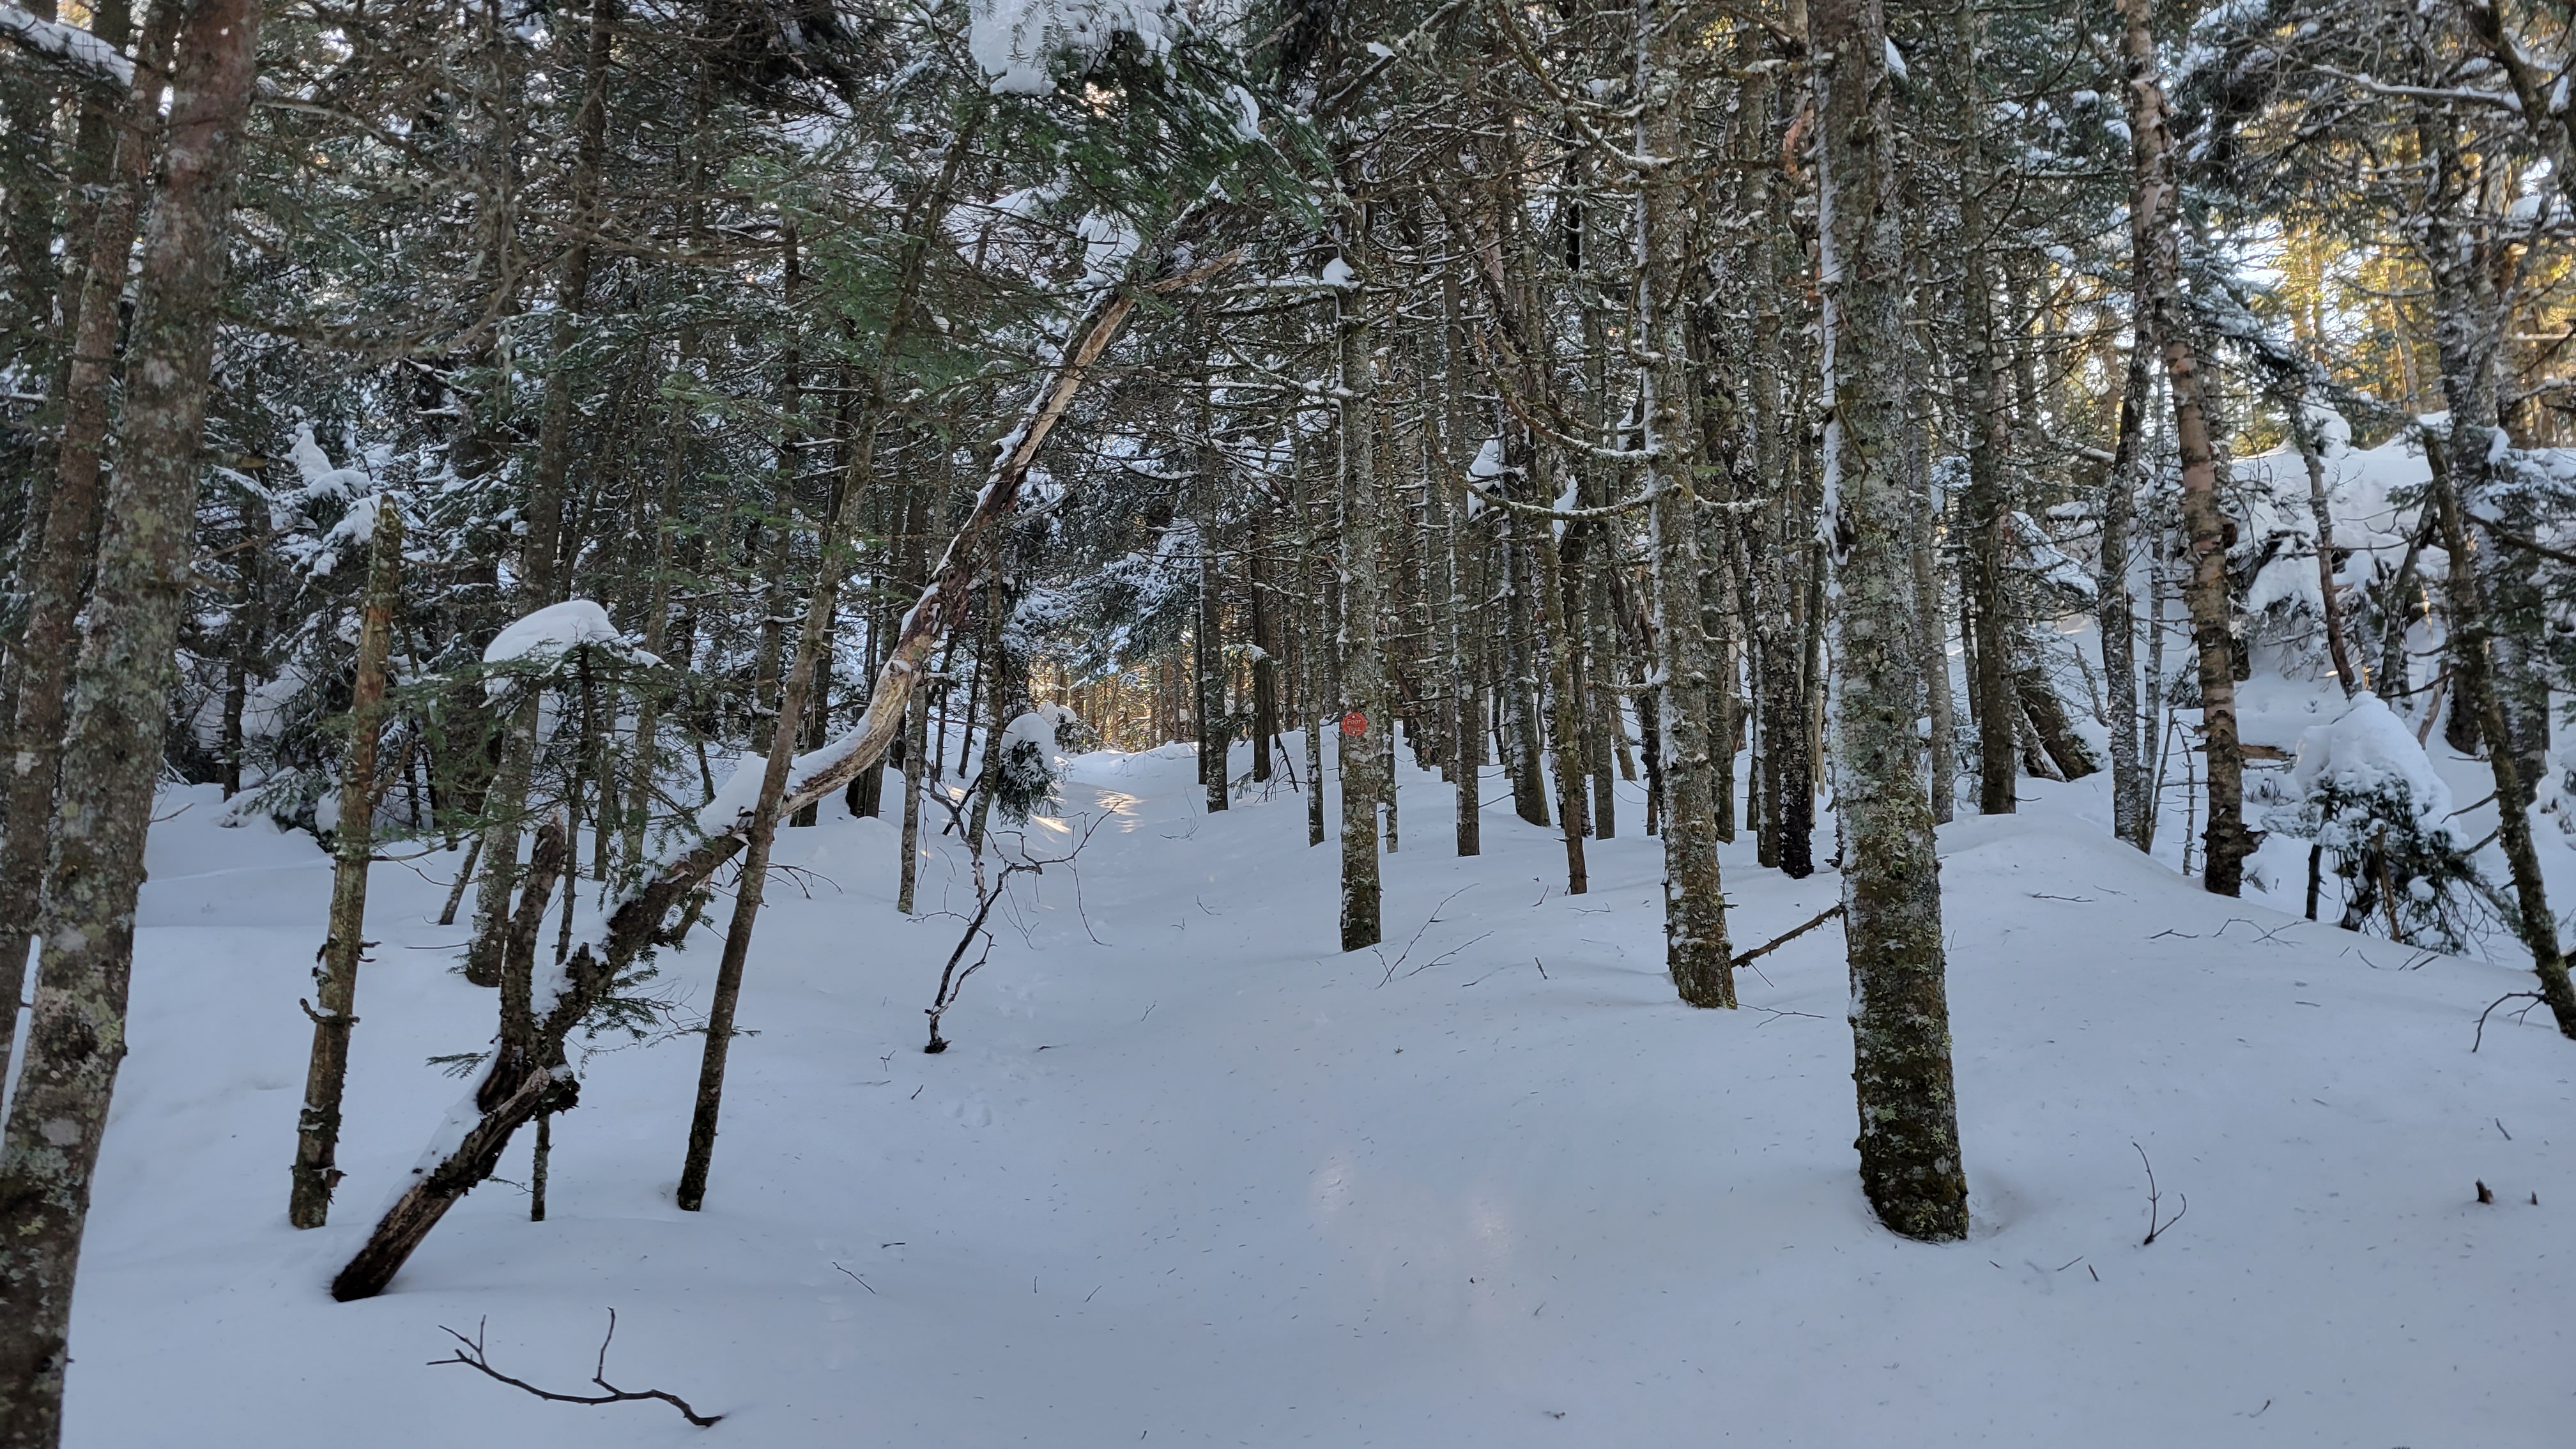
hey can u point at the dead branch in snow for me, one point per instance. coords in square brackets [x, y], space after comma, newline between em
[951, 979]
[472, 1356]
[1776, 942]
[2156, 1224]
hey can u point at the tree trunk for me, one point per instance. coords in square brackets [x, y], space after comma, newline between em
[1931, 626]
[1986, 510]
[915, 748]
[1696, 953]
[52, 573]
[353, 839]
[2116, 615]
[1909, 1131]
[1266, 650]
[2475, 672]
[111, 758]
[1467, 611]
[1210, 656]
[2321, 510]
[1357, 753]
[2157, 248]
[1559, 587]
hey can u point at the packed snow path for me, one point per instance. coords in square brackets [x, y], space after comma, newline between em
[1190, 1177]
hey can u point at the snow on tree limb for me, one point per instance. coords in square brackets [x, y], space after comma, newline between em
[68, 46]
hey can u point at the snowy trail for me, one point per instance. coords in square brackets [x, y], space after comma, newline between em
[1201, 1180]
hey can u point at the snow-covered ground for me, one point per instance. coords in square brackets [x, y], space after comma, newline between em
[1191, 1177]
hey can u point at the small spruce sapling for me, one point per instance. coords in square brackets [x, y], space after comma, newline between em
[1033, 750]
[2366, 792]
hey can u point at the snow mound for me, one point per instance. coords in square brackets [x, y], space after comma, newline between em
[543, 638]
[2366, 752]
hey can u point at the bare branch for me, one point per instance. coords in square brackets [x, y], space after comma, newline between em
[471, 1355]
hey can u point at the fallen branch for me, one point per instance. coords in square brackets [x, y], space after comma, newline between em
[952, 980]
[2480, 1039]
[473, 1357]
[513, 1089]
[2156, 1228]
[1774, 944]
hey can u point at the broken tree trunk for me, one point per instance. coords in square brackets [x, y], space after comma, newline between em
[507, 1098]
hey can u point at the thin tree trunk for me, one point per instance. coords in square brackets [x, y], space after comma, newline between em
[1466, 581]
[506, 803]
[1986, 510]
[2320, 509]
[353, 840]
[2475, 673]
[2116, 615]
[1564, 605]
[1696, 952]
[2157, 248]
[1363, 669]
[111, 759]
[1265, 663]
[1209, 686]
[915, 744]
[1932, 633]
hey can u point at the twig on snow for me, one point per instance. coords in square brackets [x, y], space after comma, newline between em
[472, 1356]
[2480, 1039]
[2156, 1224]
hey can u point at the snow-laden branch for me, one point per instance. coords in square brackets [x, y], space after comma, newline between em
[66, 45]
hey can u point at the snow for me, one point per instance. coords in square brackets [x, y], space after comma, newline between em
[1338, 274]
[1017, 41]
[2366, 752]
[1108, 240]
[66, 43]
[1191, 1176]
[554, 631]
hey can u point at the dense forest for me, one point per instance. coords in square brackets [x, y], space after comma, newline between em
[554, 455]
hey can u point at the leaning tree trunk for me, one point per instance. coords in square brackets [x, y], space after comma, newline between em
[509, 1096]
[2157, 249]
[353, 848]
[2468, 327]
[761, 830]
[1909, 1129]
[2474, 670]
[1695, 946]
[112, 757]
[807, 680]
